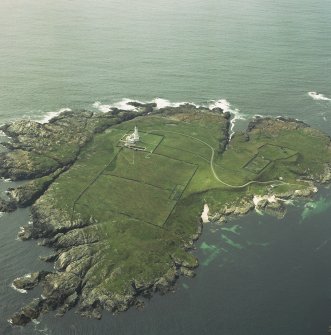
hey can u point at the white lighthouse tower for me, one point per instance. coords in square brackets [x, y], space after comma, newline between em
[132, 138]
[136, 134]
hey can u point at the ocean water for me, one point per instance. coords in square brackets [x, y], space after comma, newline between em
[262, 275]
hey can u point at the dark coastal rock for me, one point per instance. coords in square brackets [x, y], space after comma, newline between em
[7, 206]
[49, 259]
[20, 319]
[30, 281]
[21, 164]
[274, 125]
[185, 109]
[38, 150]
[75, 238]
[198, 233]
[276, 209]
[166, 282]
[218, 110]
[326, 175]
[70, 302]
[141, 104]
[262, 204]
[25, 233]
[59, 290]
[57, 287]
[187, 272]
[49, 221]
[28, 313]
[28, 193]
[240, 208]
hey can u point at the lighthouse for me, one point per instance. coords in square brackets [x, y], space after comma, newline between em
[136, 134]
[132, 138]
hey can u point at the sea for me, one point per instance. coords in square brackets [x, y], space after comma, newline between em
[258, 275]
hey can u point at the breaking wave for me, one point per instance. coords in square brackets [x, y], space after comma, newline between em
[18, 289]
[127, 104]
[50, 115]
[124, 104]
[318, 96]
[226, 106]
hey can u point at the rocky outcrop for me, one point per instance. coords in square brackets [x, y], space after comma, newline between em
[28, 313]
[27, 194]
[57, 291]
[37, 150]
[7, 206]
[30, 280]
[273, 125]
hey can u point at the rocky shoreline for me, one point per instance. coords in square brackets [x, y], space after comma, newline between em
[41, 153]
[31, 141]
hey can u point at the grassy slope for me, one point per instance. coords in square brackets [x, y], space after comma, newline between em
[133, 195]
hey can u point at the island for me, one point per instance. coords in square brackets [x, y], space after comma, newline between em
[118, 196]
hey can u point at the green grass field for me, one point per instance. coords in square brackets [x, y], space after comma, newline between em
[152, 169]
[147, 203]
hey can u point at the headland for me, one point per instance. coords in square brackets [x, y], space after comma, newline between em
[121, 217]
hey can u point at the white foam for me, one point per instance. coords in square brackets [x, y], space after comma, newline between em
[204, 215]
[102, 108]
[221, 103]
[257, 199]
[18, 289]
[163, 103]
[236, 116]
[123, 105]
[6, 180]
[226, 107]
[318, 96]
[51, 115]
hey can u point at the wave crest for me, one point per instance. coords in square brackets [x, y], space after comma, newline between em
[318, 96]
[50, 115]
[224, 104]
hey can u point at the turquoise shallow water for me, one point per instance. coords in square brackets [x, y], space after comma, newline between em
[262, 58]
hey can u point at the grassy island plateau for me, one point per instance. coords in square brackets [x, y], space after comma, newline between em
[122, 218]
